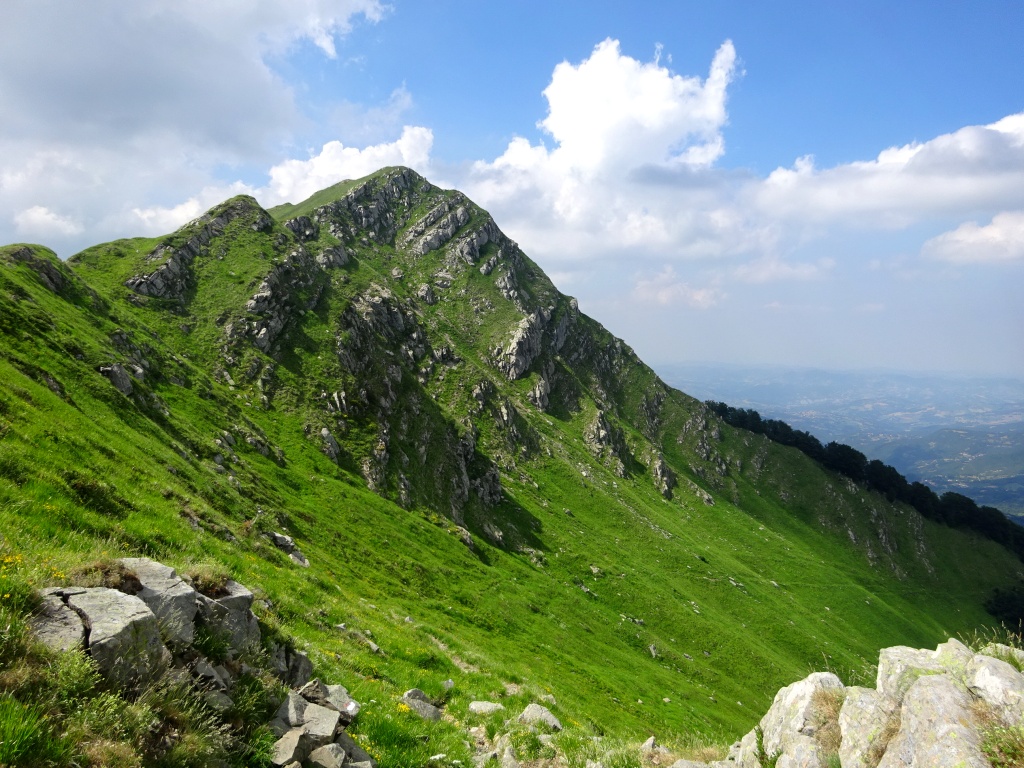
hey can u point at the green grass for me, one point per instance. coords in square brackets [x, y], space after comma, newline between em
[790, 569]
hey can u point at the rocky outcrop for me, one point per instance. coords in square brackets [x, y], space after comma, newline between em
[276, 299]
[173, 278]
[516, 356]
[371, 207]
[125, 634]
[930, 709]
[607, 443]
[664, 477]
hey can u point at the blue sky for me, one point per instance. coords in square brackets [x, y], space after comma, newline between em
[823, 184]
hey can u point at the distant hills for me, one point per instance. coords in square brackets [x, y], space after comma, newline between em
[958, 434]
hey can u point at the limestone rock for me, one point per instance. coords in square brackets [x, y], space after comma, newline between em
[934, 728]
[57, 626]
[303, 228]
[535, 713]
[790, 716]
[899, 667]
[338, 698]
[862, 720]
[356, 754]
[418, 702]
[172, 601]
[292, 747]
[124, 637]
[523, 347]
[999, 685]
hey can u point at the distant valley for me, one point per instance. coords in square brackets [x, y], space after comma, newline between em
[952, 433]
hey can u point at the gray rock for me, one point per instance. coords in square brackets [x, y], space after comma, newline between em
[333, 257]
[900, 666]
[218, 701]
[231, 616]
[801, 752]
[523, 347]
[935, 730]
[327, 756]
[119, 377]
[207, 676]
[417, 694]
[293, 747]
[424, 709]
[356, 754]
[789, 716]
[862, 720]
[508, 758]
[124, 637]
[291, 666]
[999, 685]
[485, 707]
[649, 745]
[535, 713]
[172, 601]
[57, 626]
[319, 723]
[426, 294]
[338, 698]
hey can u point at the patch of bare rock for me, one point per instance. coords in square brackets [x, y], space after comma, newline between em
[150, 625]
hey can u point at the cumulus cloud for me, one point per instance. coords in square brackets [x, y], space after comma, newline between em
[978, 166]
[39, 221]
[295, 180]
[609, 117]
[111, 106]
[999, 242]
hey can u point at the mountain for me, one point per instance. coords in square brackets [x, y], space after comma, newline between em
[478, 476]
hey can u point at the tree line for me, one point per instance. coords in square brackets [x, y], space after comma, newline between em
[952, 509]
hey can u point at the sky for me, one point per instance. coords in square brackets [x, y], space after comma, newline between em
[833, 185]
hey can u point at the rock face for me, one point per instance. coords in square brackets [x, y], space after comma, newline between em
[929, 709]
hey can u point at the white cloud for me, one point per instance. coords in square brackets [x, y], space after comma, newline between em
[610, 117]
[112, 106]
[612, 112]
[666, 288]
[295, 180]
[975, 167]
[999, 242]
[39, 221]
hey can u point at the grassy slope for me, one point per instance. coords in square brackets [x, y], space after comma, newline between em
[736, 598]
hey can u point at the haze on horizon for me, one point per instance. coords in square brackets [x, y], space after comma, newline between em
[796, 185]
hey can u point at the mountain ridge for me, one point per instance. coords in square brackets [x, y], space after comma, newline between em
[387, 377]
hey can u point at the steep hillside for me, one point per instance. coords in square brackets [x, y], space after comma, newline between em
[483, 479]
